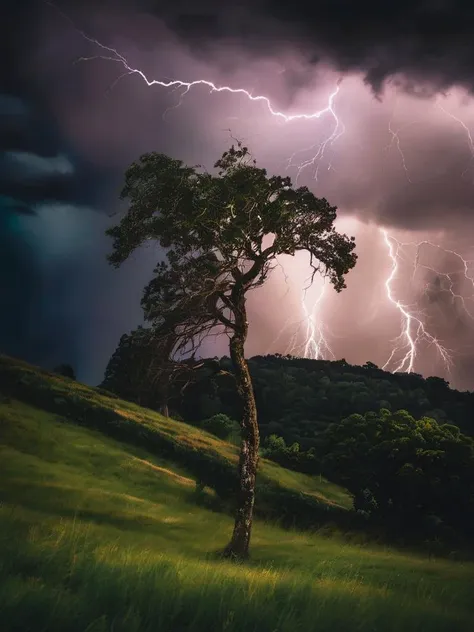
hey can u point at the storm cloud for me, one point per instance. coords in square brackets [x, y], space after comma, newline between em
[400, 154]
[424, 45]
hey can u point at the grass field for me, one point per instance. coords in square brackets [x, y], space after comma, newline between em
[101, 535]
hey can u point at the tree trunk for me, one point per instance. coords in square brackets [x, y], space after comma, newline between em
[238, 547]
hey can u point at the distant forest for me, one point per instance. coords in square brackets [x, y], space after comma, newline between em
[297, 398]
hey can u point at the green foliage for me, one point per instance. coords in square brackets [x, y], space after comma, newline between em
[297, 398]
[199, 212]
[212, 228]
[291, 456]
[220, 425]
[404, 471]
[274, 445]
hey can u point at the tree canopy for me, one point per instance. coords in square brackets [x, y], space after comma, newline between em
[402, 469]
[222, 234]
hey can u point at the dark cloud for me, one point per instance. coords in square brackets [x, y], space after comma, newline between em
[422, 45]
[400, 41]
[61, 112]
[428, 41]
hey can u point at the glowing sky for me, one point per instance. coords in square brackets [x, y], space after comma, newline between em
[404, 162]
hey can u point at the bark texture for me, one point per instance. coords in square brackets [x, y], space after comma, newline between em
[238, 546]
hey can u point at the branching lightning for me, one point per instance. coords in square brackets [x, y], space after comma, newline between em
[319, 149]
[395, 139]
[466, 129]
[315, 343]
[307, 337]
[447, 276]
[414, 334]
[186, 86]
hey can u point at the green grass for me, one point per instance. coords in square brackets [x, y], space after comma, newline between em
[100, 535]
[208, 458]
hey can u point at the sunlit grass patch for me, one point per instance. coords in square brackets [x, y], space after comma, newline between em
[68, 577]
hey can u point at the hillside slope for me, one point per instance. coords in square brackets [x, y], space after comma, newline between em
[98, 534]
[208, 459]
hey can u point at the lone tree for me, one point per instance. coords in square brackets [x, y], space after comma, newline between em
[222, 234]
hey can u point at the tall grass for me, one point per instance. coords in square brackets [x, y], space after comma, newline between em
[65, 578]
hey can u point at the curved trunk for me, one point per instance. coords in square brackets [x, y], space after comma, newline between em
[238, 547]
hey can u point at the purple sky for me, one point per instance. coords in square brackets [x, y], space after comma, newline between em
[403, 161]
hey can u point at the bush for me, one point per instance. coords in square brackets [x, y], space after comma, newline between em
[290, 456]
[414, 475]
[219, 425]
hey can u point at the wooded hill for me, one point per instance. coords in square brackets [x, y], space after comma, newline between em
[296, 397]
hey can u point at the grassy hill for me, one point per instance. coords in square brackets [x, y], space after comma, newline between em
[101, 528]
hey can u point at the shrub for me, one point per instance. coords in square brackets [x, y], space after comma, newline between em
[219, 425]
[412, 474]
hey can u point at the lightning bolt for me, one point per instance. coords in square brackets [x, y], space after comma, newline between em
[466, 129]
[414, 333]
[413, 330]
[309, 329]
[319, 149]
[395, 139]
[447, 276]
[115, 56]
[316, 345]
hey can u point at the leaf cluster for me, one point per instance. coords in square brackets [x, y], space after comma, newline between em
[402, 468]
